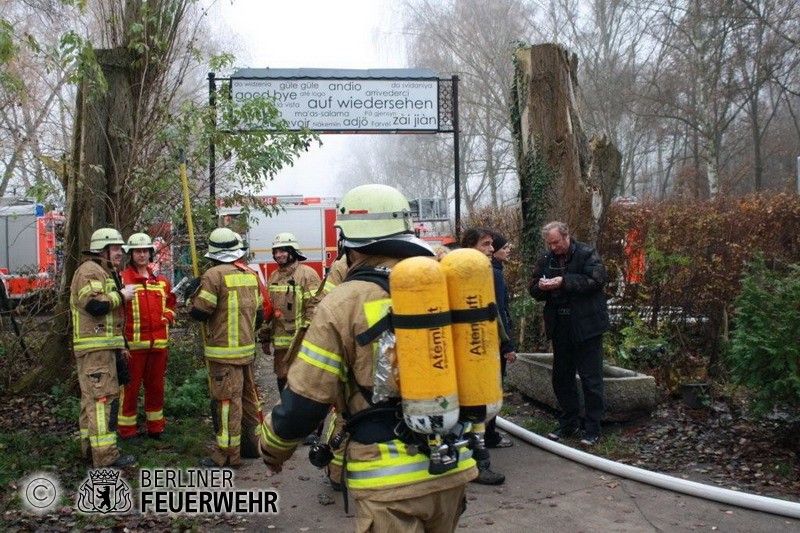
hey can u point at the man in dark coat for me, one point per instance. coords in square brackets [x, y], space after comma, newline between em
[569, 278]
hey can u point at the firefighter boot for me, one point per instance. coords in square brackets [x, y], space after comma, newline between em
[486, 476]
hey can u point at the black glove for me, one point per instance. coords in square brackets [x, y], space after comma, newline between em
[191, 287]
[123, 372]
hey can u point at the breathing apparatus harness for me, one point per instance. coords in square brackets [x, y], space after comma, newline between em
[383, 420]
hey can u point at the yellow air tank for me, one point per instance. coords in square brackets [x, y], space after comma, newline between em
[470, 285]
[421, 321]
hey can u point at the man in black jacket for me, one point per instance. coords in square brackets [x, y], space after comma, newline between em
[569, 278]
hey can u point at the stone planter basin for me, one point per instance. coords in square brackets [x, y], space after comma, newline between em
[629, 395]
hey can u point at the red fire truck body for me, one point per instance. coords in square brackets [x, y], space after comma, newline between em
[310, 220]
[29, 256]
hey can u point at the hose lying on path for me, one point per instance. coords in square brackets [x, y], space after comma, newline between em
[692, 488]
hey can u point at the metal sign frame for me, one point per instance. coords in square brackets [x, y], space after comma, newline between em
[447, 91]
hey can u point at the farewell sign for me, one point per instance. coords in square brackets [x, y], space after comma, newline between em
[348, 104]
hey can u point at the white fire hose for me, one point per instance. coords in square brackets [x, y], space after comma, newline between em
[709, 492]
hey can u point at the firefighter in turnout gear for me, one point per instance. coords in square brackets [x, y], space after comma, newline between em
[335, 426]
[97, 298]
[147, 319]
[266, 302]
[227, 299]
[387, 473]
[292, 288]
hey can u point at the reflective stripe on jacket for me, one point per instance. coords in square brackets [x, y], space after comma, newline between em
[230, 295]
[389, 464]
[94, 280]
[292, 289]
[148, 315]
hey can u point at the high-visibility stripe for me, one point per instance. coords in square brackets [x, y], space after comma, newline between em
[143, 345]
[274, 441]
[299, 308]
[328, 287]
[154, 415]
[321, 358]
[233, 317]
[137, 320]
[376, 310]
[146, 345]
[389, 450]
[84, 433]
[209, 297]
[229, 441]
[103, 438]
[100, 415]
[403, 469]
[241, 280]
[106, 439]
[98, 342]
[126, 420]
[230, 352]
[223, 439]
[111, 291]
[282, 341]
[93, 286]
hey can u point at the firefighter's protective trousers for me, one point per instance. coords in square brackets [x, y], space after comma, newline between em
[147, 367]
[147, 320]
[237, 408]
[96, 339]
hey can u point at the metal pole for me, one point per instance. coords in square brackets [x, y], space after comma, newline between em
[212, 149]
[456, 159]
[798, 175]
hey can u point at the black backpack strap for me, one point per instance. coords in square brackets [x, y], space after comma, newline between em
[481, 314]
[374, 331]
[377, 275]
[380, 277]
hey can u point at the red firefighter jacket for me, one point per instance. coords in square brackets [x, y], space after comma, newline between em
[148, 315]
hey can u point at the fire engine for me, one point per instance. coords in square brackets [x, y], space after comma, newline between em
[311, 220]
[29, 252]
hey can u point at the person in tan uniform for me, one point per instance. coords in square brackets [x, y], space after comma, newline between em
[292, 288]
[336, 421]
[388, 475]
[97, 300]
[227, 299]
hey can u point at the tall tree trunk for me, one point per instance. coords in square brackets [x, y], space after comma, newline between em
[102, 124]
[550, 124]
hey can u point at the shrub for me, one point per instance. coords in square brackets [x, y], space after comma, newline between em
[695, 253]
[186, 384]
[190, 398]
[764, 353]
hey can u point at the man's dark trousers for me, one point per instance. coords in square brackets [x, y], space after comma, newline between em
[587, 359]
